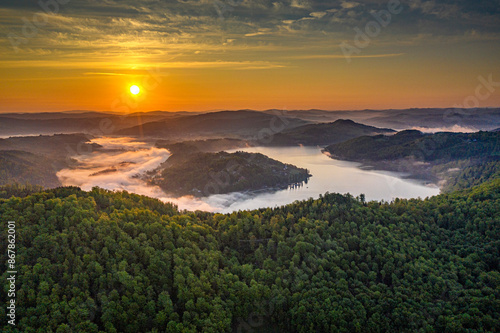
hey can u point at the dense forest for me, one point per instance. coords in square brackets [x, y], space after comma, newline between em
[441, 147]
[104, 261]
[473, 175]
[203, 174]
[19, 190]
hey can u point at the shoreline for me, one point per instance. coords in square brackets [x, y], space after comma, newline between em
[407, 169]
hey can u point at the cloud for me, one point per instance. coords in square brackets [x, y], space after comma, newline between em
[349, 4]
[261, 32]
[441, 10]
[119, 143]
[239, 65]
[224, 64]
[318, 14]
[302, 4]
[339, 56]
[106, 36]
[105, 74]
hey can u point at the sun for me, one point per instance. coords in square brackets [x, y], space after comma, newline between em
[135, 89]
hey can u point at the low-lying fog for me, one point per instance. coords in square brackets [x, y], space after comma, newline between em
[118, 165]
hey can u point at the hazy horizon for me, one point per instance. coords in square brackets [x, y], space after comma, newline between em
[257, 110]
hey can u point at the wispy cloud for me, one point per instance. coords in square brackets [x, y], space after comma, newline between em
[349, 4]
[180, 28]
[340, 56]
[163, 65]
[106, 74]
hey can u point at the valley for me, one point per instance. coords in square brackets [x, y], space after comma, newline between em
[202, 227]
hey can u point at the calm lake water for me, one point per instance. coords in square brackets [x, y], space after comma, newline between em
[328, 175]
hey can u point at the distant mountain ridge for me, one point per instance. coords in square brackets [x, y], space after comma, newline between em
[326, 133]
[60, 145]
[236, 123]
[433, 119]
[441, 119]
[95, 123]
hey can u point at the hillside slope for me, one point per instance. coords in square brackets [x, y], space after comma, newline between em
[57, 145]
[325, 133]
[23, 167]
[424, 147]
[455, 160]
[203, 174]
[35, 160]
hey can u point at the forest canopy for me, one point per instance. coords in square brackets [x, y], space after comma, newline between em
[104, 261]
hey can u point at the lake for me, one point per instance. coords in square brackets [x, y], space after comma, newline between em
[328, 175]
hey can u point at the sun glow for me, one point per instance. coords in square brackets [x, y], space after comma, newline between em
[134, 90]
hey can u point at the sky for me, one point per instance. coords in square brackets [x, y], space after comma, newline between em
[194, 55]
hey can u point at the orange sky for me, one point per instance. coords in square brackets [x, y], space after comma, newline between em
[84, 60]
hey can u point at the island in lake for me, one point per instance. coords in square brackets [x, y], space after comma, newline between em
[202, 174]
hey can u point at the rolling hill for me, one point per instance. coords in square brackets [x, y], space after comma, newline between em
[325, 133]
[432, 119]
[442, 146]
[241, 123]
[94, 123]
[22, 167]
[60, 145]
[35, 160]
[456, 160]
[98, 123]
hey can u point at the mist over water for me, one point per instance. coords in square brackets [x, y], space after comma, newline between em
[122, 160]
[117, 169]
[118, 165]
[454, 129]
